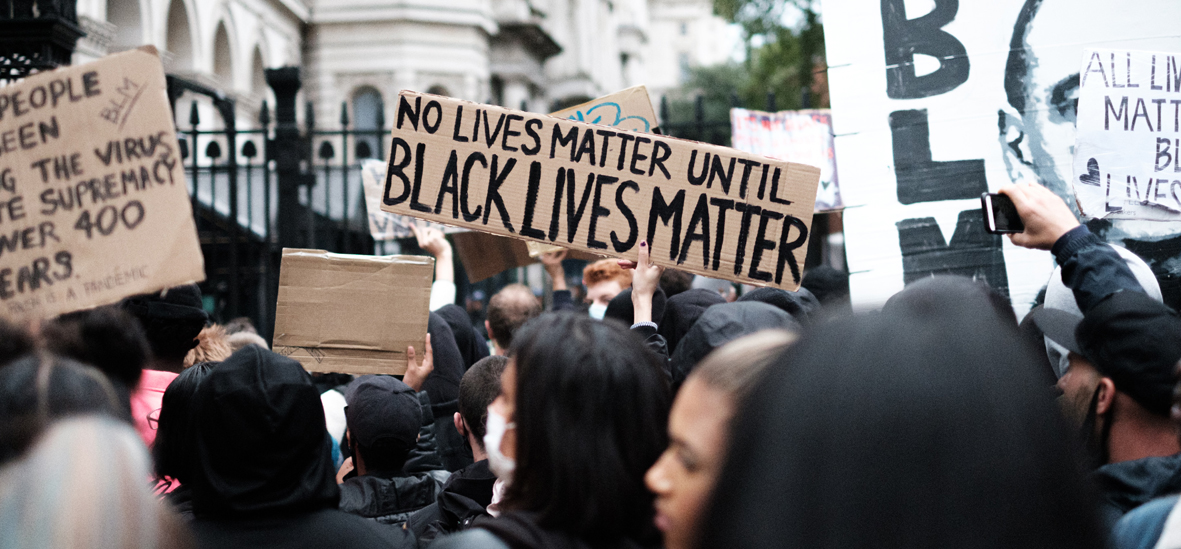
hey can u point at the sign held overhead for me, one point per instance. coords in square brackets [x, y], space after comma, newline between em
[93, 201]
[705, 209]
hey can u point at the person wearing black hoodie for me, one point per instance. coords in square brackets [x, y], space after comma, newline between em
[262, 474]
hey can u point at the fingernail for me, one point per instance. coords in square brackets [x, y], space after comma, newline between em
[643, 243]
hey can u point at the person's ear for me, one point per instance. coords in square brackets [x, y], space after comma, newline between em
[458, 419]
[488, 328]
[1106, 396]
[1015, 147]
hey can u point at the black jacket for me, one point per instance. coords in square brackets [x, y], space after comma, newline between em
[519, 530]
[466, 496]
[390, 498]
[1127, 485]
[263, 474]
[720, 325]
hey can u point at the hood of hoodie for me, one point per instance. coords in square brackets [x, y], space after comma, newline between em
[471, 346]
[682, 311]
[1129, 484]
[722, 324]
[261, 442]
[443, 382]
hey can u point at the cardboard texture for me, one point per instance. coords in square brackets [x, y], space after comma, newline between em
[93, 201]
[1127, 153]
[703, 208]
[629, 109]
[354, 314]
[484, 255]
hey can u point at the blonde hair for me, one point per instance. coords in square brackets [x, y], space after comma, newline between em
[84, 484]
[736, 367]
[212, 346]
[604, 270]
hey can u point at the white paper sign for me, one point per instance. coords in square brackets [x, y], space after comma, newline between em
[799, 136]
[1129, 135]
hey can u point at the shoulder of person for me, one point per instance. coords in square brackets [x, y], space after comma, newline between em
[476, 538]
[1143, 526]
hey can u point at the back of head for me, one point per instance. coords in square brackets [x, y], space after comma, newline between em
[212, 346]
[591, 407]
[510, 309]
[471, 346]
[479, 387]
[948, 295]
[171, 319]
[15, 341]
[799, 304]
[261, 443]
[736, 368]
[621, 308]
[900, 431]
[384, 417]
[674, 281]
[605, 270]
[829, 285]
[722, 324]
[682, 311]
[37, 389]
[107, 338]
[103, 500]
[173, 449]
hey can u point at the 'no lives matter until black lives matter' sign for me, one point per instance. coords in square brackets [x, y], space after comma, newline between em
[703, 208]
[93, 201]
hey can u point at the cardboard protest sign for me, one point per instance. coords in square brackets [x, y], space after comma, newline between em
[799, 136]
[1126, 163]
[703, 208]
[934, 104]
[629, 109]
[385, 225]
[355, 314]
[93, 201]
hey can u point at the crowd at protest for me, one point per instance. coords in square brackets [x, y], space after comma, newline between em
[660, 411]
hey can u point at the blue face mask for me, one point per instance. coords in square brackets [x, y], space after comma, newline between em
[597, 311]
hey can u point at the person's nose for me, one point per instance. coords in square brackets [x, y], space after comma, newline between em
[657, 478]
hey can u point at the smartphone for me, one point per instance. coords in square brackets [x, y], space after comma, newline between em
[1000, 215]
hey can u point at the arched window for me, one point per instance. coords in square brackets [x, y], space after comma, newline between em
[128, 21]
[180, 37]
[368, 120]
[258, 78]
[223, 58]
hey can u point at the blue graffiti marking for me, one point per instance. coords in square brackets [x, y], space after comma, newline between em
[598, 119]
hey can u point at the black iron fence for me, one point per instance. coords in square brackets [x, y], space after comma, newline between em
[256, 191]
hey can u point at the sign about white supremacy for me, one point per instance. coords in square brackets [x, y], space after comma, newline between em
[93, 201]
[1126, 159]
[702, 208]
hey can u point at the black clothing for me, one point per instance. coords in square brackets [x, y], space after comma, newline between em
[442, 385]
[519, 530]
[466, 496]
[472, 346]
[1126, 485]
[720, 325]
[563, 300]
[799, 304]
[1092, 269]
[320, 529]
[263, 474]
[390, 498]
[682, 311]
[620, 308]
[181, 501]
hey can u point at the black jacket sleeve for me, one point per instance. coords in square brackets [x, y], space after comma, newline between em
[1091, 268]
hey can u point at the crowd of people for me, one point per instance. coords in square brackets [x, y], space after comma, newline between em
[668, 412]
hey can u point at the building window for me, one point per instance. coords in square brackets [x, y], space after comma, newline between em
[367, 122]
[684, 29]
[683, 62]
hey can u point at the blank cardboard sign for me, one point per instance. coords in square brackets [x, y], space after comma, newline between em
[355, 314]
[93, 201]
[705, 209]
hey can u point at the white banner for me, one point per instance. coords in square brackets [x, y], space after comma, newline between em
[936, 102]
[798, 136]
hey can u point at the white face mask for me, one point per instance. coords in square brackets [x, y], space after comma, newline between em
[501, 465]
[598, 311]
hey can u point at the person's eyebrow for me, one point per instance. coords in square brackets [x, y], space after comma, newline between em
[1064, 96]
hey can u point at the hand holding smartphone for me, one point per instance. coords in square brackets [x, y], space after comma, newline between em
[1000, 215]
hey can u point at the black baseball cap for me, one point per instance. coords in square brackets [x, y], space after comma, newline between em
[1128, 337]
[382, 411]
